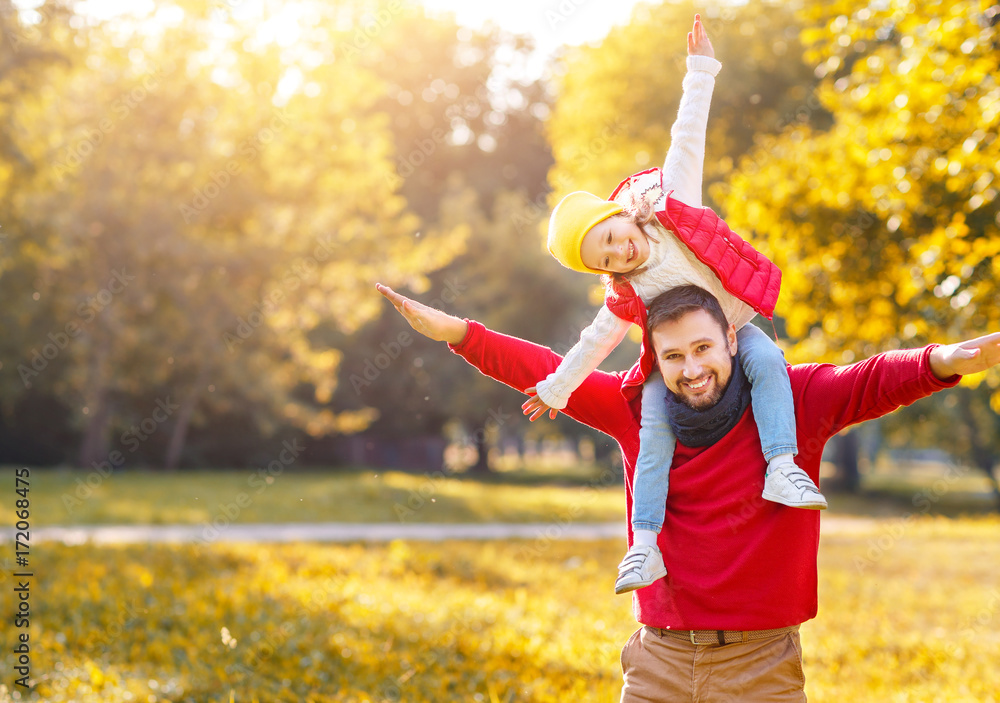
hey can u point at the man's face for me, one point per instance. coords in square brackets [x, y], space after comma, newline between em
[695, 358]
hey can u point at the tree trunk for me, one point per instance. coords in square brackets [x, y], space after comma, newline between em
[987, 467]
[985, 460]
[482, 464]
[982, 454]
[94, 447]
[179, 434]
[848, 449]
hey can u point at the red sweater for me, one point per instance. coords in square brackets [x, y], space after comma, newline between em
[735, 561]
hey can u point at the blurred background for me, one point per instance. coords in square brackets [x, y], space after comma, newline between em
[197, 198]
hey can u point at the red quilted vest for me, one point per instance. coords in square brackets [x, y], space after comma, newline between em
[744, 272]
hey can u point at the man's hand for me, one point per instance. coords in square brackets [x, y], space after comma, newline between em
[428, 321]
[966, 357]
[535, 407]
[698, 43]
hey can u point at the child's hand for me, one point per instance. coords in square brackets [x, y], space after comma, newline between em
[698, 43]
[535, 407]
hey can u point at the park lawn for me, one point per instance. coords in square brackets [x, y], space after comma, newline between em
[582, 494]
[909, 612]
[63, 497]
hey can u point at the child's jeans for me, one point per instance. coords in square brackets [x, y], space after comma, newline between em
[773, 409]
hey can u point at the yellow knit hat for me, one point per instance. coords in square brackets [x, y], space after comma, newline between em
[571, 219]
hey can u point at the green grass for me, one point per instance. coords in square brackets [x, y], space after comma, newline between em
[62, 497]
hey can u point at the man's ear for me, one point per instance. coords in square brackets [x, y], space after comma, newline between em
[731, 339]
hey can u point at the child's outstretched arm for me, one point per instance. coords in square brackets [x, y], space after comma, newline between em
[683, 168]
[596, 341]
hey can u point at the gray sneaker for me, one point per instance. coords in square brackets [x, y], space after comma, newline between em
[640, 567]
[789, 485]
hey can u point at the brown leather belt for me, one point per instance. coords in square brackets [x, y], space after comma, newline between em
[722, 637]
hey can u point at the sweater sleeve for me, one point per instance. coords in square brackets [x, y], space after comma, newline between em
[684, 165]
[596, 341]
[829, 398]
[598, 401]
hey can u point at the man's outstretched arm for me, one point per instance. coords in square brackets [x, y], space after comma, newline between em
[598, 402]
[430, 322]
[829, 398]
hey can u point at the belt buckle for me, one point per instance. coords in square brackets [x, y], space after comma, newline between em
[691, 635]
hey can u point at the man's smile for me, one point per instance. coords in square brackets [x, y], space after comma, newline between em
[698, 385]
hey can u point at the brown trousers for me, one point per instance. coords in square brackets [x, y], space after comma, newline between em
[660, 668]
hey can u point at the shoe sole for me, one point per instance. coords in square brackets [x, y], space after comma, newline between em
[774, 498]
[640, 584]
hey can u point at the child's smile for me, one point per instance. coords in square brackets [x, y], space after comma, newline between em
[615, 245]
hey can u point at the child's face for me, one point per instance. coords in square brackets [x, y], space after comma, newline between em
[615, 245]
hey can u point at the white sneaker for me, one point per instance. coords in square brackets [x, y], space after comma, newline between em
[640, 567]
[789, 485]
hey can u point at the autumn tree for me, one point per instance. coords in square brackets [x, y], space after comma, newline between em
[617, 100]
[34, 55]
[471, 152]
[208, 198]
[885, 223]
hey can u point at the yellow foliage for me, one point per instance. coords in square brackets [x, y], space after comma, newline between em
[617, 100]
[251, 190]
[898, 195]
[532, 620]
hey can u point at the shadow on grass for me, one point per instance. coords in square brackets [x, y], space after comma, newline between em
[904, 499]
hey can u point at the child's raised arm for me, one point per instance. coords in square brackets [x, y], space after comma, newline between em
[698, 41]
[683, 168]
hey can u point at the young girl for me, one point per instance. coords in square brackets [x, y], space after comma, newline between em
[634, 240]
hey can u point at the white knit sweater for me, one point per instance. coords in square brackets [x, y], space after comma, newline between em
[670, 262]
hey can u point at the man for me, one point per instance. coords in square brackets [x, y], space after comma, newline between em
[723, 624]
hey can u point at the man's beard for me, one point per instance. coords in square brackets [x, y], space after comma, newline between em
[704, 402]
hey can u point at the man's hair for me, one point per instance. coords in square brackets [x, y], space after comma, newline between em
[675, 303]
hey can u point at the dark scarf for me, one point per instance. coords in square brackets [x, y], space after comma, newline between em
[700, 428]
